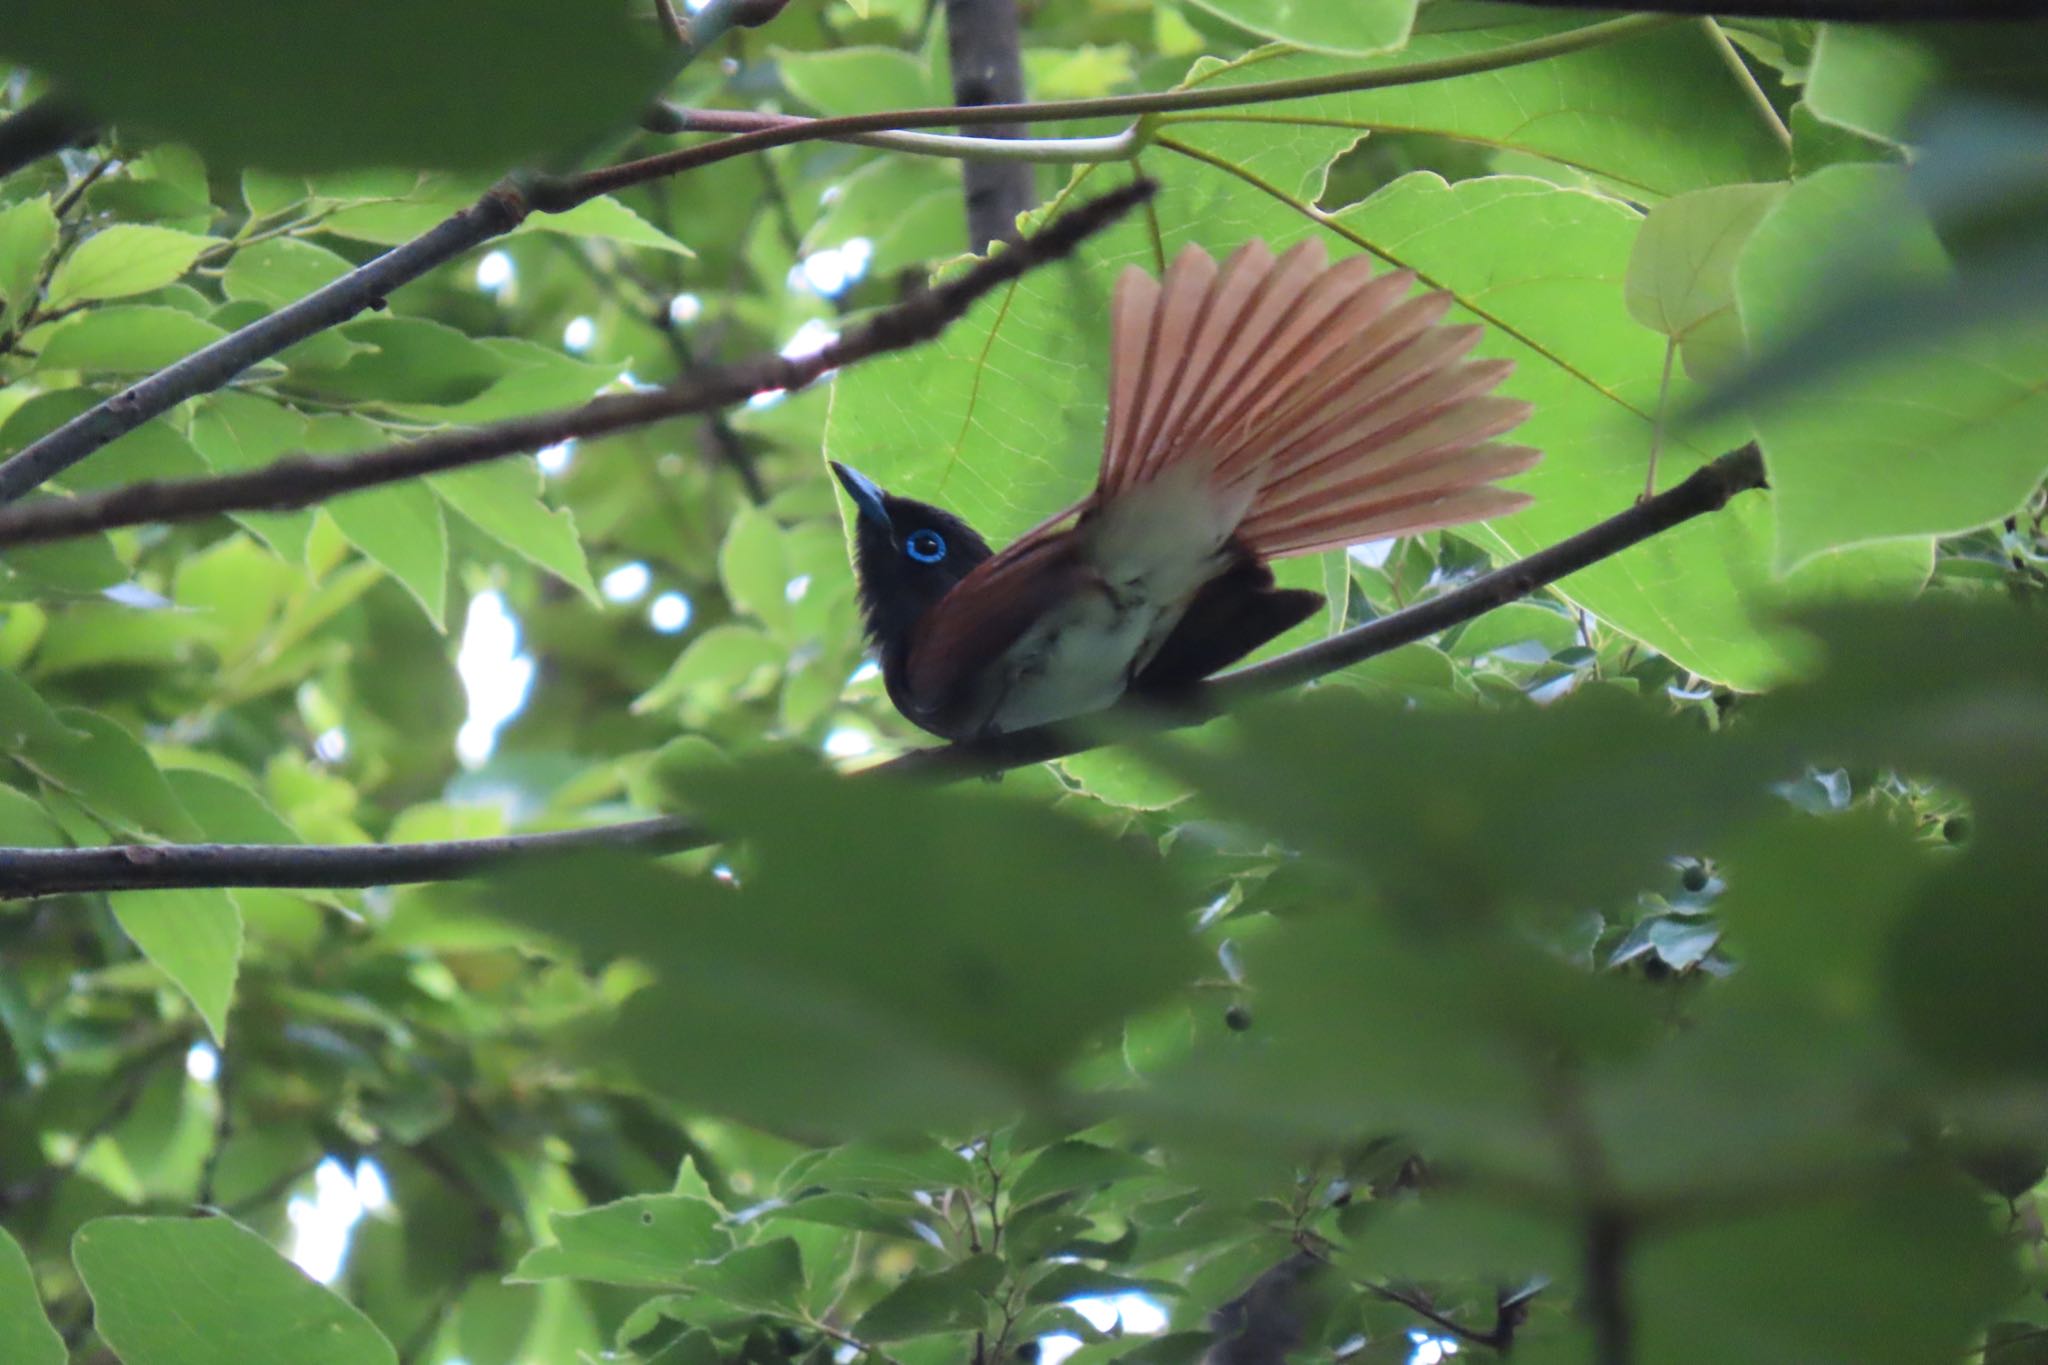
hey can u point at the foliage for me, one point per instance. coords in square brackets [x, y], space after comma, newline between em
[1648, 970]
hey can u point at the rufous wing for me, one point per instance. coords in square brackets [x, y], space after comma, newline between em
[1325, 401]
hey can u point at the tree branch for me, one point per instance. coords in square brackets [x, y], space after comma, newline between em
[42, 871]
[300, 480]
[988, 68]
[498, 211]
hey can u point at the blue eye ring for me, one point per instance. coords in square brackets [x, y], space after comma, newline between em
[925, 545]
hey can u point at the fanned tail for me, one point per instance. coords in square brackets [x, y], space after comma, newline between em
[1320, 405]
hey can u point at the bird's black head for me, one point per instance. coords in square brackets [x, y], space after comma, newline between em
[907, 555]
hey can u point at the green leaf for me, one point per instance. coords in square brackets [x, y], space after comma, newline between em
[860, 80]
[502, 499]
[125, 339]
[25, 824]
[1681, 276]
[239, 431]
[353, 96]
[1076, 1165]
[412, 360]
[768, 1277]
[26, 1337]
[195, 937]
[282, 270]
[27, 721]
[650, 1241]
[605, 218]
[898, 1168]
[1066, 1280]
[945, 1301]
[1873, 77]
[400, 525]
[28, 234]
[1562, 805]
[855, 994]
[1357, 28]
[108, 770]
[1905, 1274]
[207, 1291]
[126, 258]
[1932, 439]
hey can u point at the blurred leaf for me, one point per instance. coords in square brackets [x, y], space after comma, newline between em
[720, 659]
[23, 822]
[207, 1291]
[374, 86]
[123, 259]
[1358, 29]
[869, 1002]
[1933, 439]
[26, 1337]
[894, 1168]
[1786, 1285]
[651, 1241]
[103, 766]
[1874, 78]
[1569, 805]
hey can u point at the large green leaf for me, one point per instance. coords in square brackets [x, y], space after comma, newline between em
[1681, 277]
[1936, 438]
[26, 1337]
[106, 768]
[382, 84]
[852, 992]
[207, 1291]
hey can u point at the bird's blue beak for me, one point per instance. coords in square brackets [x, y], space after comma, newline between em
[866, 496]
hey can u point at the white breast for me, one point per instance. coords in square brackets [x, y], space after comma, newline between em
[1151, 549]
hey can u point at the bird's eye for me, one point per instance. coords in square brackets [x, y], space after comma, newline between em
[926, 546]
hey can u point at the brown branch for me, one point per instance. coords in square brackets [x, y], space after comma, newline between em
[299, 480]
[39, 872]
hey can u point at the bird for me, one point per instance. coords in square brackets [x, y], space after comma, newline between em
[1270, 406]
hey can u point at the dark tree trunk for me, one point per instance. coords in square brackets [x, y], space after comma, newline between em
[982, 47]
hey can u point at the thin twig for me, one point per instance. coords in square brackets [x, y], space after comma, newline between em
[1497, 1338]
[301, 480]
[1740, 69]
[42, 871]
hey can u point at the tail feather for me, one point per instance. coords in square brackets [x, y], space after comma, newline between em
[1321, 400]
